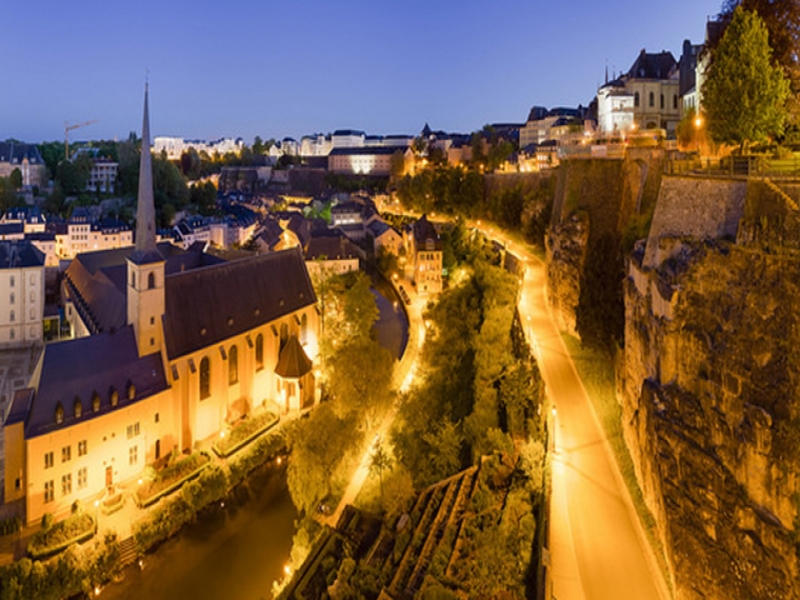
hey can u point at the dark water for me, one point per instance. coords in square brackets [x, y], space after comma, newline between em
[392, 325]
[233, 553]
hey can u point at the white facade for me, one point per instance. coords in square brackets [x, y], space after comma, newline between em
[102, 176]
[21, 304]
[174, 146]
[614, 109]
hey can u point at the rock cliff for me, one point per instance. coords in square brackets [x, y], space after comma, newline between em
[709, 385]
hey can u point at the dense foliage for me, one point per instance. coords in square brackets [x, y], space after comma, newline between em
[743, 69]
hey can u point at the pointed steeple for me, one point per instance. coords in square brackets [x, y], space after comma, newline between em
[146, 249]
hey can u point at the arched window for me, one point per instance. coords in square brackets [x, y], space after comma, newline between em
[652, 99]
[131, 391]
[77, 407]
[233, 365]
[96, 402]
[113, 396]
[259, 352]
[636, 99]
[205, 378]
[59, 414]
[304, 329]
[151, 281]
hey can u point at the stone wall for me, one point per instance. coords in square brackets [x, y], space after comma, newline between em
[709, 392]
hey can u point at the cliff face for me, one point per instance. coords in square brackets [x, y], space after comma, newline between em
[709, 389]
[596, 203]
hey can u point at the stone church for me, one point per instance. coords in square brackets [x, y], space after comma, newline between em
[171, 347]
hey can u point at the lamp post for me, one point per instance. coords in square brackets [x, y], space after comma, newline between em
[698, 123]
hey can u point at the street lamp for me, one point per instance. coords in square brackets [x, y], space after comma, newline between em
[698, 123]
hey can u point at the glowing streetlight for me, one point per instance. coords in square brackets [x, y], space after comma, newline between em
[698, 123]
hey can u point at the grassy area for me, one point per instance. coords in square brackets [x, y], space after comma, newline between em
[597, 374]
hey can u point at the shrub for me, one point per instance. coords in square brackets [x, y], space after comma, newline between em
[55, 538]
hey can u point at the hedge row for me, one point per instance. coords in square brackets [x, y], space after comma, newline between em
[52, 539]
[244, 433]
[170, 479]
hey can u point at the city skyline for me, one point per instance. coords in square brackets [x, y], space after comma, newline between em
[280, 71]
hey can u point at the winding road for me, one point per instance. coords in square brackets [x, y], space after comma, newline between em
[598, 548]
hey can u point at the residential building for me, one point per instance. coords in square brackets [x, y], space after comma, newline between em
[26, 158]
[172, 348]
[424, 257]
[83, 233]
[384, 237]
[331, 254]
[21, 293]
[31, 217]
[374, 161]
[175, 146]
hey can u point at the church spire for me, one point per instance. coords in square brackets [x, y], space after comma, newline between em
[146, 250]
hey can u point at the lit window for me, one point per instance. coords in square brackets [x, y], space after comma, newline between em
[59, 413]
[66, 454]
[82, 448]
[66, 484]
[259, 352]
[77, 408]
[233, 366]
[49, 491]
[205, 378]
[48, 460]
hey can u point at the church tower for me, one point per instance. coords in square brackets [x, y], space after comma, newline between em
[146, 264]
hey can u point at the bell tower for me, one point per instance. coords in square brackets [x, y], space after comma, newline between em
[146, 265]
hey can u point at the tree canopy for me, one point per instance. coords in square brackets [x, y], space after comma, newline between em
[745, 94]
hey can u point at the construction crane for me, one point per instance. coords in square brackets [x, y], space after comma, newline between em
[67, 129]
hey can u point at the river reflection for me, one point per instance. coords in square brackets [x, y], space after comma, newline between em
[235, 552]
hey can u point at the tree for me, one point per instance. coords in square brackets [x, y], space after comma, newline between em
[379, 461]
[782, 19]
[742, 69]
[15, 179]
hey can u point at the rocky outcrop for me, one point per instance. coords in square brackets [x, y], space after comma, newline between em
[565, 247]
[710, 391]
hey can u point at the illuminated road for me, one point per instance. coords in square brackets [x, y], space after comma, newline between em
[598, 548]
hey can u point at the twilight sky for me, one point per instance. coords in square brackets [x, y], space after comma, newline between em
[289, 68]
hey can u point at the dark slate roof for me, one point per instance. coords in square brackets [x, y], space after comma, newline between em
[14, 152]
[537, 113]
[365, 150]
[209, 305]
[28, 214]
[333, 248]
[15, 254]
[270, 232]
[292, 362]
[424, 231]
[96, 281]
[378, 228]
[40, 236]
[301, 227]
[12, 228]
[20, 406]
[659, 65]
[85, 366]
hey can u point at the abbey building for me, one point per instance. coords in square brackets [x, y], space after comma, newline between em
[171, 347]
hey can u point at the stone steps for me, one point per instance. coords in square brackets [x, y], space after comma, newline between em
[127, 552]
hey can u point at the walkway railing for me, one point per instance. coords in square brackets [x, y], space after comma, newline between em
[737, 167]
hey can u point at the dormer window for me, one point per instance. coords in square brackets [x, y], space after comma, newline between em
[95, 403]
[131, 391]
[114, 397]
[77, 408]
[59, 414]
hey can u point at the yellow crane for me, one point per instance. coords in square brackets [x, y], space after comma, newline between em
[67, 129]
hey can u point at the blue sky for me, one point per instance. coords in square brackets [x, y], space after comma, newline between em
[275, 69]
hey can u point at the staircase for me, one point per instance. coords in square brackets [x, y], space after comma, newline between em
[127, 552]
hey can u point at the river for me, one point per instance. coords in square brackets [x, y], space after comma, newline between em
[235, 552]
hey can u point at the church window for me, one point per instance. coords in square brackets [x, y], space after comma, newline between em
[652, 99]
[205, 378]
[259, 352]
[304, 329]
[233, 366]
[77, 407]
[151, 281]
[59, 414]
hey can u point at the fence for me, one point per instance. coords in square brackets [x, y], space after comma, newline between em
[737, 166]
